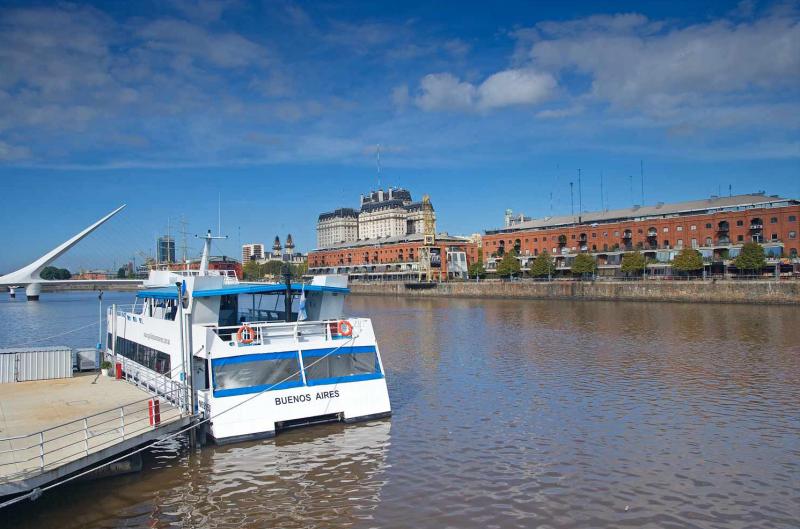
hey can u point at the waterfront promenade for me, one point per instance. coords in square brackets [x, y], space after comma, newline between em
[784, 292]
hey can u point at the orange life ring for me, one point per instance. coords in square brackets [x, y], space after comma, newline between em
[250, 333]
[345, 328]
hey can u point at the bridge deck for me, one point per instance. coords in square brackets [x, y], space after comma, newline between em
[51, 428]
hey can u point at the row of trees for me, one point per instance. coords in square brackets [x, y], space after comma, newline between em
[687, 261]
[51, 272]
[254, 271]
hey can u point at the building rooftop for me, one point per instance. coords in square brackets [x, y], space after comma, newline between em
[341, 212]
[691, 207]
[383, 241]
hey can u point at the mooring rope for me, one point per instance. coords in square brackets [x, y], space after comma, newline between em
[37, 492]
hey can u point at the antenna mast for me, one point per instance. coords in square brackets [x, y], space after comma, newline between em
[580, 195]
[602, 206]
[184, 250]
[641, 173]
[378, 162]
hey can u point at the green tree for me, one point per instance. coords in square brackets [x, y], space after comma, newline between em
[583, 264]
[508, 266]
[273, 268]
[299, 270]
[633, 263]
[51, 272]
[122, 273]
[476, 269]
[543, 265]
[751, 258]
[252, 271]
[688, 260]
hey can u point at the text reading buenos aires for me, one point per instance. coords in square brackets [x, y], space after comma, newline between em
[306, 397]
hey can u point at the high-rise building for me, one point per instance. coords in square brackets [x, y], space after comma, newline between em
[382, 214]
[252, 252]
[166, 249]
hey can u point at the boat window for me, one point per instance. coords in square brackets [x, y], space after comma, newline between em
[352, 365]
[238, 375]
[141, 354]
[228, 310]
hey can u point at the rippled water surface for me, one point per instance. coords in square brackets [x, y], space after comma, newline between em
[506, 414]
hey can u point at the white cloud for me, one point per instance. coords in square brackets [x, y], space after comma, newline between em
[515, 87]
[444, 91]
[633, 66]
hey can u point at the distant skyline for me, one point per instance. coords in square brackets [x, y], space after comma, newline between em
[277, 108]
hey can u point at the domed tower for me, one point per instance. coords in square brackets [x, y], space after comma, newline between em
[289, 244]
[276, 247]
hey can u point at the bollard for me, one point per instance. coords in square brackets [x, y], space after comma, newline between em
[154, 410]
[118, 370]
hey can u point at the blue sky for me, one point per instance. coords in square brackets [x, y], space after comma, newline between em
[277, 108]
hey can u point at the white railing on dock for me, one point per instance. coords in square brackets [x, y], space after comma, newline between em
[23, 455]
[153, 382]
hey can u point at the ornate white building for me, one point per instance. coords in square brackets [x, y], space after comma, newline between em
[337, 227]
[390, 213]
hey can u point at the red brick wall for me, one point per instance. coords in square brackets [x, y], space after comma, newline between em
[390, 253]
[604, 234]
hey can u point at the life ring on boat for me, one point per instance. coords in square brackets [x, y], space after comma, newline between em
[250, 334]
[345, 328]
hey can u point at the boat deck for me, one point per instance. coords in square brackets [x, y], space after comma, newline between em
[51, 428]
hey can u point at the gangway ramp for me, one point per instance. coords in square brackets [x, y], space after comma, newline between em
[50, 429]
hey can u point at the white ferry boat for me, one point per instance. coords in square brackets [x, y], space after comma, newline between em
[264, 357]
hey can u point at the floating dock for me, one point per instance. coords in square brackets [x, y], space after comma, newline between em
[51, 429]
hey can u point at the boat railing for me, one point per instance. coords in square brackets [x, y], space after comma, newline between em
[266, 332]
[229, 276]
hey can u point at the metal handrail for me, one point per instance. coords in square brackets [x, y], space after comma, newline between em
[90, 432]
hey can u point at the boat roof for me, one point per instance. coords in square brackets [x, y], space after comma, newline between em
[255, 288]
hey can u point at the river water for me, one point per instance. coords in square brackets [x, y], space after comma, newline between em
[506, 414]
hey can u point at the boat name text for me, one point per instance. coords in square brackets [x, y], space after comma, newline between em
[156, 338]
[306, 397]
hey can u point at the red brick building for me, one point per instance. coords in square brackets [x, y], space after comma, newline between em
[717, 227]
[391, 258]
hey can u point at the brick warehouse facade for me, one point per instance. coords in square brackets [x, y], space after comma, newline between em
[717, 227]
[389, 258]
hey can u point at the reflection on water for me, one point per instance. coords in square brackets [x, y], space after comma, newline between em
[507, 414]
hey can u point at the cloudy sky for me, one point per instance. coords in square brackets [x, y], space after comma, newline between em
[276, 107]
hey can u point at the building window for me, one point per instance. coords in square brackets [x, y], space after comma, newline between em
[708, 241]
[679, 243]
[740, 223]
[694, 243]
[616, 233]
[740, 238]
[708, 225]
[679, 228]
[792, 218]
[640, 230]
[594, 235]
[774, 236]
[792, 234]
[773, 220]
[693, 227]
[666, 229]
[573, 236]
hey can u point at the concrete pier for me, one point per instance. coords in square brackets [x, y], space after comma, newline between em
[50, 429]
